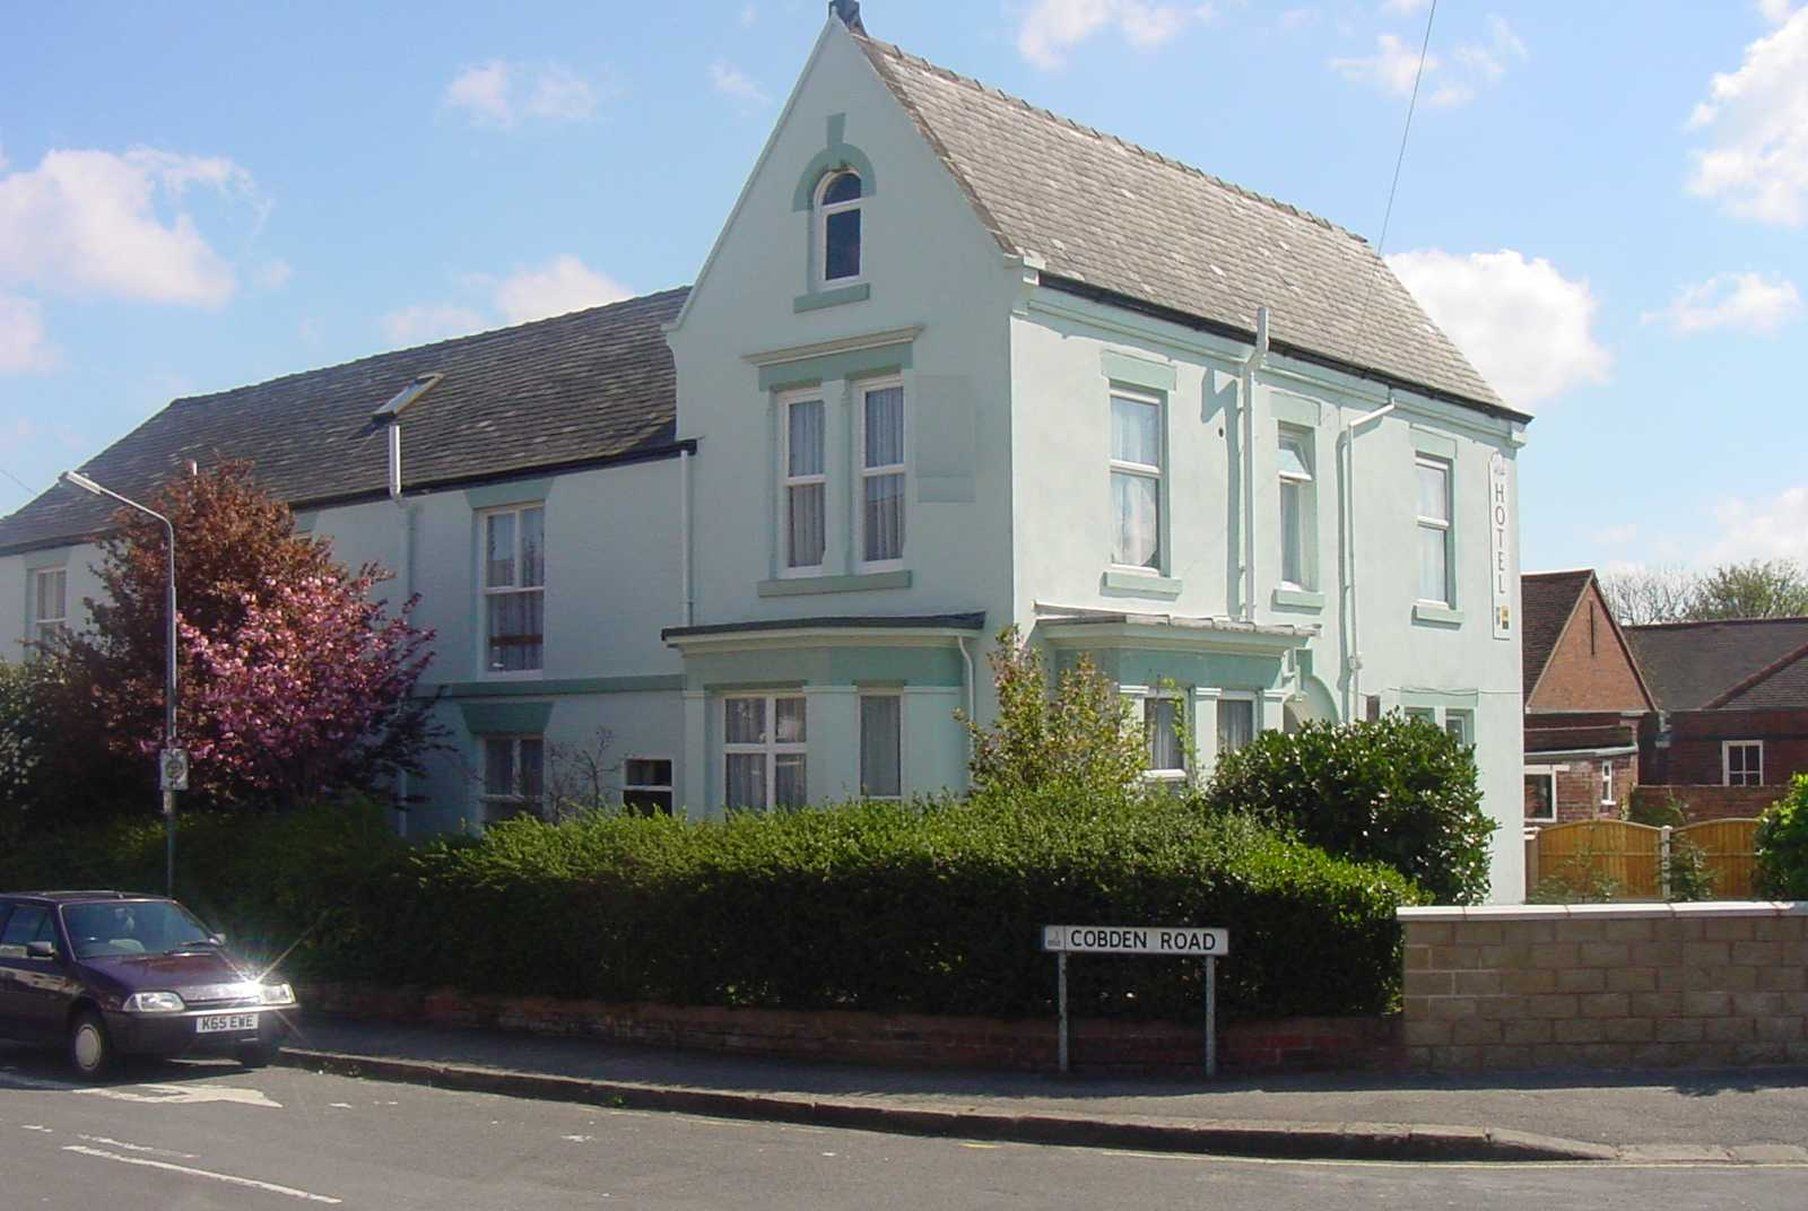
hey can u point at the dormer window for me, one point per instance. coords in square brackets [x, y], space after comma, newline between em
[838, 226]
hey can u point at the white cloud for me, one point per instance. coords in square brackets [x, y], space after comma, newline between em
[1756, 166]
[97, 222]
[749, 14]
[504, 95]
[24, 343]
[1745, 302]
[275, 273]
[1527, 328]
[563, 284]
[735, 84]
[1297, 18]
[1773, 527]
[1403, 8]
[1392, 68]
[1473, 66]
[1616, 536]
[425, 322]
[1775, 11]
[1052, 28]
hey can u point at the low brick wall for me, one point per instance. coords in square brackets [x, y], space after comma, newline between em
[894, 1040]
[1713, 802]
[1606, 986]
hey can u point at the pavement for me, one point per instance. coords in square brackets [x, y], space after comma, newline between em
[1748, 1116]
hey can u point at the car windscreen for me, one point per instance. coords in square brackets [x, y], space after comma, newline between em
[131, 927]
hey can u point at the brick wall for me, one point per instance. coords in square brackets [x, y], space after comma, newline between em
[1713, 802]
[1579, 786]
[1588, 669]
[895, 1040]
[1606, 986]
[1693, 756]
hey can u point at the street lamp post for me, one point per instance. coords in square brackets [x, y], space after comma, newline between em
[166, 777]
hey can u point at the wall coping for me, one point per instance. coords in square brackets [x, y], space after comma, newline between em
[1609, 912]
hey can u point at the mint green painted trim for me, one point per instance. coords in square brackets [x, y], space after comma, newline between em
[1140, 584]
[838, 154]
[55, 557]
[506, 718]
[1292, 409]
[1426, 611]
[805, 586]
[515, 492]
[818, 299]
[306, 521]
[1136, 371]
[1212, 672]
[1455, 700]
[855, 363]
[1299, 599]
[564, 688]
[1435, 444]
[830, 665]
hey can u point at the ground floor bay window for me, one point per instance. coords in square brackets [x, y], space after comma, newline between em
[764, 751]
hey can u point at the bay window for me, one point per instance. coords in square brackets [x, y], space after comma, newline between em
[513, 776]
[881, 746]
[763, 751]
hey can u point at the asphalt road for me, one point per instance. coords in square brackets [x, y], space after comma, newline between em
[214, 1136]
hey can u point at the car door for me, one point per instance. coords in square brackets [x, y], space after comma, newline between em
[21, 923]
[43, 985]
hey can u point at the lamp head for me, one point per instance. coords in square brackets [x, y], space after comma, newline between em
[76, 479]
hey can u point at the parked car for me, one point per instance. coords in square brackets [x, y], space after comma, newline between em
[108, 974]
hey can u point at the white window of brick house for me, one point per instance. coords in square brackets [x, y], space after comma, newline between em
[881, 746]
[1742, 762]
[838, 235]
[882, 474]
[763, 751]
[1136, 479]
[1434, 531]
[1540, 793]
[50, 603]
[514, 589]
[513, 776]
[1236, 722]
[647, 786]
[1299, 511]
[1607, 799]
[803, 504]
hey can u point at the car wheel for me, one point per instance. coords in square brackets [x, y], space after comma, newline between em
[257, 1055]
[91, 1051]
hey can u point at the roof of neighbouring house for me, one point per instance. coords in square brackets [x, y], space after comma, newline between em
[1746, 662]
[1106, 214]
[1546, 601]
[592, 386]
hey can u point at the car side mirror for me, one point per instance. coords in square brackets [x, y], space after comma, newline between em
[40, 950]
[218, 939]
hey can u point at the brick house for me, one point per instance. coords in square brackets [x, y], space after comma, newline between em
[1731, 721]
[1584, 699]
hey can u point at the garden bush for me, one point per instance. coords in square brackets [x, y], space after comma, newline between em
[1397, 790]
[1782, 845]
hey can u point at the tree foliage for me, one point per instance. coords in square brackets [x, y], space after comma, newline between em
[1759, 588]
[1782, 844]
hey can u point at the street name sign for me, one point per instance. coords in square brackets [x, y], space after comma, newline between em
[1136, 940]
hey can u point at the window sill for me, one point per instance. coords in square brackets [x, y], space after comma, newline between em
[816, 300]
[803, 586]
[1127, 583]
[1299, 599]
[1442, 615]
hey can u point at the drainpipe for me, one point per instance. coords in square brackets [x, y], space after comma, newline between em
[404, 577]
[685, 599]
[1246, 570]
[1352, 693]
[967, 660]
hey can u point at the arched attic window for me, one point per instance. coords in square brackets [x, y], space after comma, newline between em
[838, 203]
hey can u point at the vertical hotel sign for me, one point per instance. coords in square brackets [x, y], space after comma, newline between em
[1500, 562]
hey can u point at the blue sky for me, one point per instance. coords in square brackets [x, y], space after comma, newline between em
[1604, 203]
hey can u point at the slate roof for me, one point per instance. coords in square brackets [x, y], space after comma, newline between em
[591, 386]
[1546, 602]
[1689, 665]
[1113, 216]
[1781, 686]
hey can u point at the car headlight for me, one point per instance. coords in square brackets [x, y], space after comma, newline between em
[277, 994]
[154, 1002]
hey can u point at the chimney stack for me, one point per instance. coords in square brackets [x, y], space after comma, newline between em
[849, 12]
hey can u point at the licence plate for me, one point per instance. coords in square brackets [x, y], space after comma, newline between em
[221, 1022]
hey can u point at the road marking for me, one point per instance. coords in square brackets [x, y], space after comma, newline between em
[228, 1178]
[113, 1143]
[36, 1127]
[161, 1095]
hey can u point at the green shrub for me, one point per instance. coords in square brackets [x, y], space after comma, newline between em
[1688, 874]
[1782, 844]
[1398, 791]
[1669, 811]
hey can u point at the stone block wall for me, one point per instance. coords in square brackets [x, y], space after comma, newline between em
[1606, 986]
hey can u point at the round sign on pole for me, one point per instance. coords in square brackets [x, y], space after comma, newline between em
[174, 767]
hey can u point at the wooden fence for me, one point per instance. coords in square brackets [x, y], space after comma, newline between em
[1633, 858]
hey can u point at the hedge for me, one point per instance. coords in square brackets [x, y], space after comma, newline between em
[929, 907]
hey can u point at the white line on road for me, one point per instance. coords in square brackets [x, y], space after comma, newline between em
[113, 1143]
[230, 1179]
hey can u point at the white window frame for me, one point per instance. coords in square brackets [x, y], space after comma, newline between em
[1726, 762]
[1143, 698]
[1305, 529]
[1255, 715]
[1465, 721]
[1156, 472]
[515, 798]
[859, 735]
[1607, 799]
[786, 481]
[488, 593]
[1549, 774]
[1445, 525]
[43, 627]
[900, 469]
[820, 212]
[665, 788]
[772, 749]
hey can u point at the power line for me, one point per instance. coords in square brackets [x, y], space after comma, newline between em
[1387, 216]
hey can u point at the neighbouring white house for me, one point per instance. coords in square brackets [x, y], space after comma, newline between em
[954, 363]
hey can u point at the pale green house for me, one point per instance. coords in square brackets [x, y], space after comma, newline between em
[953, 363]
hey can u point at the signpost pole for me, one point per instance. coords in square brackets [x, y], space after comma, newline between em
[1211, 1017]
[1061, 1001]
